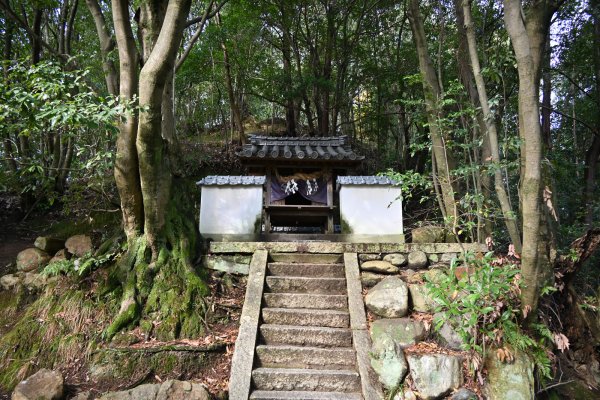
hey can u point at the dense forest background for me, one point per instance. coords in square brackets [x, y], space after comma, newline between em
[488, 113]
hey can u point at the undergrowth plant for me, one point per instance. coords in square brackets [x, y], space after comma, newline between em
[484, 307]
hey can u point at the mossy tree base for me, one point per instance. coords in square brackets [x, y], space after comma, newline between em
[162, 292]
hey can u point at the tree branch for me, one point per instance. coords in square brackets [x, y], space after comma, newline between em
[591, 128]
[582, 90]
[207, 15]
[204, 17]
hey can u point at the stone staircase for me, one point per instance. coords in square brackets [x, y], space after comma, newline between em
[304, 346]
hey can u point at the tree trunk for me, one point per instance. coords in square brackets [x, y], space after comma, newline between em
[107, 44]
[126, 161]
[490, 129]
[431, 89]
[236, 115]
[528, 40]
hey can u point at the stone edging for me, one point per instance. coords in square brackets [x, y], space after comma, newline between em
[358, 323]
[243, 356]
[343, 247]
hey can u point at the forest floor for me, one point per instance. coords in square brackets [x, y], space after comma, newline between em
[222, 320]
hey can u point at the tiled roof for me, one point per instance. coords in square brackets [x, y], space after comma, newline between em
[231, 180]
[365, 180]
[294, 148]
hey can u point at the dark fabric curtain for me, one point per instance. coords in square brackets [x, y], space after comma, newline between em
[318, 196]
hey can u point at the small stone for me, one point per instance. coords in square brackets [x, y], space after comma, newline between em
[389, 298]
[434, 258]
[10, 281]
[509, 381]
[435, 375]
[369, 257]
[34, 281]
[79, 245]
[182, 390]
[420, 298]
[32, 259]
[387, 360]
[60, 255]
[434, 275]
[448, 257]
[383, 267]
[447, 335]
[370, 279]
[403, 331]
[417, 259]
[428, 234]
[83, 396]
[43, 385]
[396, 259]
[464, 394]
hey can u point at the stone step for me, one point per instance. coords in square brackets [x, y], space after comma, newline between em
[306, 379]
[305, 335]
[305, 357]
[308, 301]
[308, 270]
[317, 258]
[296, 395]
[286, 284]
[306, 317]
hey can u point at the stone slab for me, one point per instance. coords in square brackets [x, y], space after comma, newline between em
[243, 356]
[307, 270]
[343, 247]
[300, 395]
[305, 300]
[305, 335]
[231, 264]
[306, 379]
[306, 357]
[306, 317]
[306, 285]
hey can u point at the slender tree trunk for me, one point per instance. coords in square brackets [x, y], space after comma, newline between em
[528, 38]
[236, 115]
[7, 57]
[490, 128]
[431, 89]
[107, 45]
[126, 161]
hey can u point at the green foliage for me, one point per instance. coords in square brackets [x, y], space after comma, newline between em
[485, 309]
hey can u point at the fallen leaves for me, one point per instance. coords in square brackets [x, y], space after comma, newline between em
[561, 341]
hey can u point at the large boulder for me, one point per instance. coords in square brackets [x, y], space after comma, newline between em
[34, 282]
[387, 360]
[509, 380]
[168, 390]
[428, 234]
[32, 259]
[43, 385]
[447, 258]
[382, 267]
[396, 259]
[417, 259]
[79, 245]
[435, 375]
[389, 298]
[420, 298]
[49, 244]
[370, 279]
[403, 331]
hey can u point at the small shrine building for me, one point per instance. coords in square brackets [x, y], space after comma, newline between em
[300, 189]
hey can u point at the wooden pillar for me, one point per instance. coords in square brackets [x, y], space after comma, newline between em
[329, 175]
[267, 201]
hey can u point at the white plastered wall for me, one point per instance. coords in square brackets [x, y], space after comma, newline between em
[371, 209]
[230, 209]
